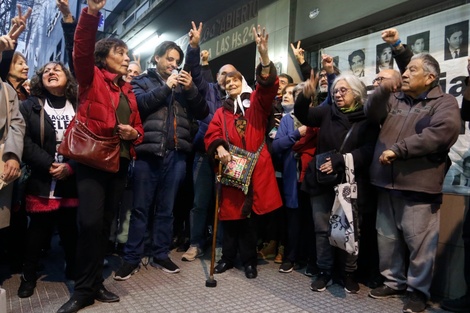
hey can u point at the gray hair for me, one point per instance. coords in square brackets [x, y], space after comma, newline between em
[430, 65]
[297, 90]
[357, 86]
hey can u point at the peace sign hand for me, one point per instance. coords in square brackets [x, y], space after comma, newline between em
[299, 53]
[18, 23]
[195, 35]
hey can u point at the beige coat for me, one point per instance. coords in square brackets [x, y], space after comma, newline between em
[13, 145]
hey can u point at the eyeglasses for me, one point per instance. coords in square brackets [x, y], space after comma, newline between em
[322, 76]
[379, 80]
[342, 91]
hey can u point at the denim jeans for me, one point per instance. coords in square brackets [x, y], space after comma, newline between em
[156, 182]
[321, 209]
[203, 178]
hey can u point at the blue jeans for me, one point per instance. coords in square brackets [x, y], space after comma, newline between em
[203, 179]
[156, 182]
[321, 209]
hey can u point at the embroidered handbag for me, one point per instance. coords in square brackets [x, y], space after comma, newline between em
[237, 173]
[343, 231]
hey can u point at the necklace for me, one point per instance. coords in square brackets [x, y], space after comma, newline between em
[58, 113]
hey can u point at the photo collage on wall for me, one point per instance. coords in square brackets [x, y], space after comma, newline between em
[447, 42]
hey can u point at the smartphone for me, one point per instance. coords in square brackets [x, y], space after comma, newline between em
[187, 68]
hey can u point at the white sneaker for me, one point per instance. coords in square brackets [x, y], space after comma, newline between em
[192, 253]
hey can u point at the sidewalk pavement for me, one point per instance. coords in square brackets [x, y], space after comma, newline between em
[152, 290]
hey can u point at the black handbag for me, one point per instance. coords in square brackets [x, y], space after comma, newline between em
[322, 177]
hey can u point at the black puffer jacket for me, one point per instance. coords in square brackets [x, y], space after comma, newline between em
[164, 131]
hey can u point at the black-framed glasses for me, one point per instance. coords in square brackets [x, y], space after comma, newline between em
[379, 80]
[342, 91]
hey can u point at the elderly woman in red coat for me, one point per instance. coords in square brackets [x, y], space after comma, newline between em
[241, 121]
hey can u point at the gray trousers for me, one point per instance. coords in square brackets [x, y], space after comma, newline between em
[406, 227]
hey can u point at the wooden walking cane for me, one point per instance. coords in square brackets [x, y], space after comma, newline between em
[211, 282]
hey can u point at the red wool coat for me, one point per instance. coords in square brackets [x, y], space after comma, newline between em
[266, 196]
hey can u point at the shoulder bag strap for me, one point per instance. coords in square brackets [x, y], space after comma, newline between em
[349, 171]
[346, 137]
[41, 121]
[225, 126]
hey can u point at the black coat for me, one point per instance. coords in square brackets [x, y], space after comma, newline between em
[334, 125]
[40, 158]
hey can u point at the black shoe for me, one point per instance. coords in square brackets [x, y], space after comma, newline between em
[251, 271]
[166, 265]
[350, 284]
[74, 305]
[104, 295]
[222, 266]
[416, 302]
[126, 271]
[385, 291]
[286, 267]
[26, 289]
[322, 281]
[311, 270]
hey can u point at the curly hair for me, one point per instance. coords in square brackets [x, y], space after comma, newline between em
[38, 89]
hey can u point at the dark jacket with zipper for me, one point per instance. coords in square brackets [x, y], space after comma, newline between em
[166, 114]
[420, 132]
[39, 157]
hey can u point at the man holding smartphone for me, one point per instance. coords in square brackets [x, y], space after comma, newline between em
[167, 101]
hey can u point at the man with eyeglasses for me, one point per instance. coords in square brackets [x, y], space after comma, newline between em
[419, 125]
[387, 74]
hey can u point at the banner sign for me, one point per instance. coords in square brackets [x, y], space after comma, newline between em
[445, 36]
